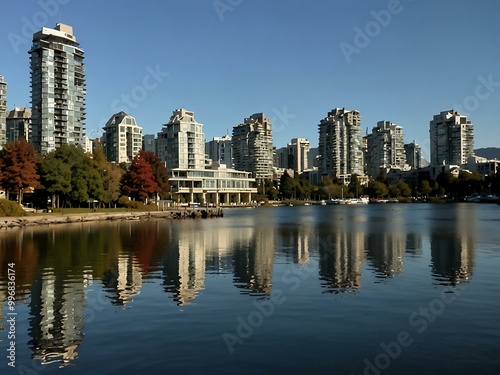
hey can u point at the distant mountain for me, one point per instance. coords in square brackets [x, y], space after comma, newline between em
[488, 152]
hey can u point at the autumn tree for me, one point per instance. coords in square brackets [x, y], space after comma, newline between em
[138, 181]
[18, 167]
[159, 172]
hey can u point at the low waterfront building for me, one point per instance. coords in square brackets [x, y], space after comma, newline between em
[218, 185]
[482, 165]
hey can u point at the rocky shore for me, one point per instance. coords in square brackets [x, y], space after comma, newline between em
[58, 218]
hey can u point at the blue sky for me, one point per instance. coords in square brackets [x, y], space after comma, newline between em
[293, 59]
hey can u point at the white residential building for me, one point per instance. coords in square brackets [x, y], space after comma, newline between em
[181, 143]
[340, 150]
[452, 140]
[253, 146]
[385, 148]
[122, 138]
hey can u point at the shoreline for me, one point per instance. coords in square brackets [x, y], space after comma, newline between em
[8, 222]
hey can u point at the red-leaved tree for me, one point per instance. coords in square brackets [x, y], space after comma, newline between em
[18, 167]
[139, 182]
[159, 172]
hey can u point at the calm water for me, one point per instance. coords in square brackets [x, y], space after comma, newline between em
[375, 289]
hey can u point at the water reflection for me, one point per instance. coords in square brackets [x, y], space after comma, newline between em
[253, 261]
[124, 280]
[341, 255]
[55, 265]
[56, 324]
[453, 245]
[184, 265]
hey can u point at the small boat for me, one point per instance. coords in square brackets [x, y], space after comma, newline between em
[323, 203]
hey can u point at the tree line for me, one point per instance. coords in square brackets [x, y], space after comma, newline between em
[70, 177]
[422, 186]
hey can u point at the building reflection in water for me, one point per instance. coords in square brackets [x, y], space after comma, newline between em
[67, 260]
[56, 324]
[453, 246]
[341, 255]
[386, 252]
[253, 260]
[184, 265]
[55, 265]
[3, 303]
[123, 281]
[295, 241]
[414, 244]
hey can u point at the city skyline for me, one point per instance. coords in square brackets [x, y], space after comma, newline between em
[292, 71]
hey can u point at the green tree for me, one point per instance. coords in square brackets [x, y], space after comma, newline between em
[425, 188]
[111, 179]
[404, 189]
[394, 191]
[55, 178]
[377, 189]
[286, 186]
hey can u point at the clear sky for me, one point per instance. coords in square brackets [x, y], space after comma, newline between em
[402, 61]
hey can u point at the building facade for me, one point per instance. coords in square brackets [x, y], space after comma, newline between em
[252, 143]
[298, 151]
[57, 89]
[181, 143]
[294, 156]
[218, 185]
[3, 112]
[413, 155]
[385, 148]
[19, 124]
[340, 150]
[452, 140]
[122, 138]
[220, 150]
[149, 143]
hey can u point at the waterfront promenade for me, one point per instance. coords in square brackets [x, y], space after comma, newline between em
[62, 218]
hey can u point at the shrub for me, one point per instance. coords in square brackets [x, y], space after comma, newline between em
[124, 201]
[10, 208]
